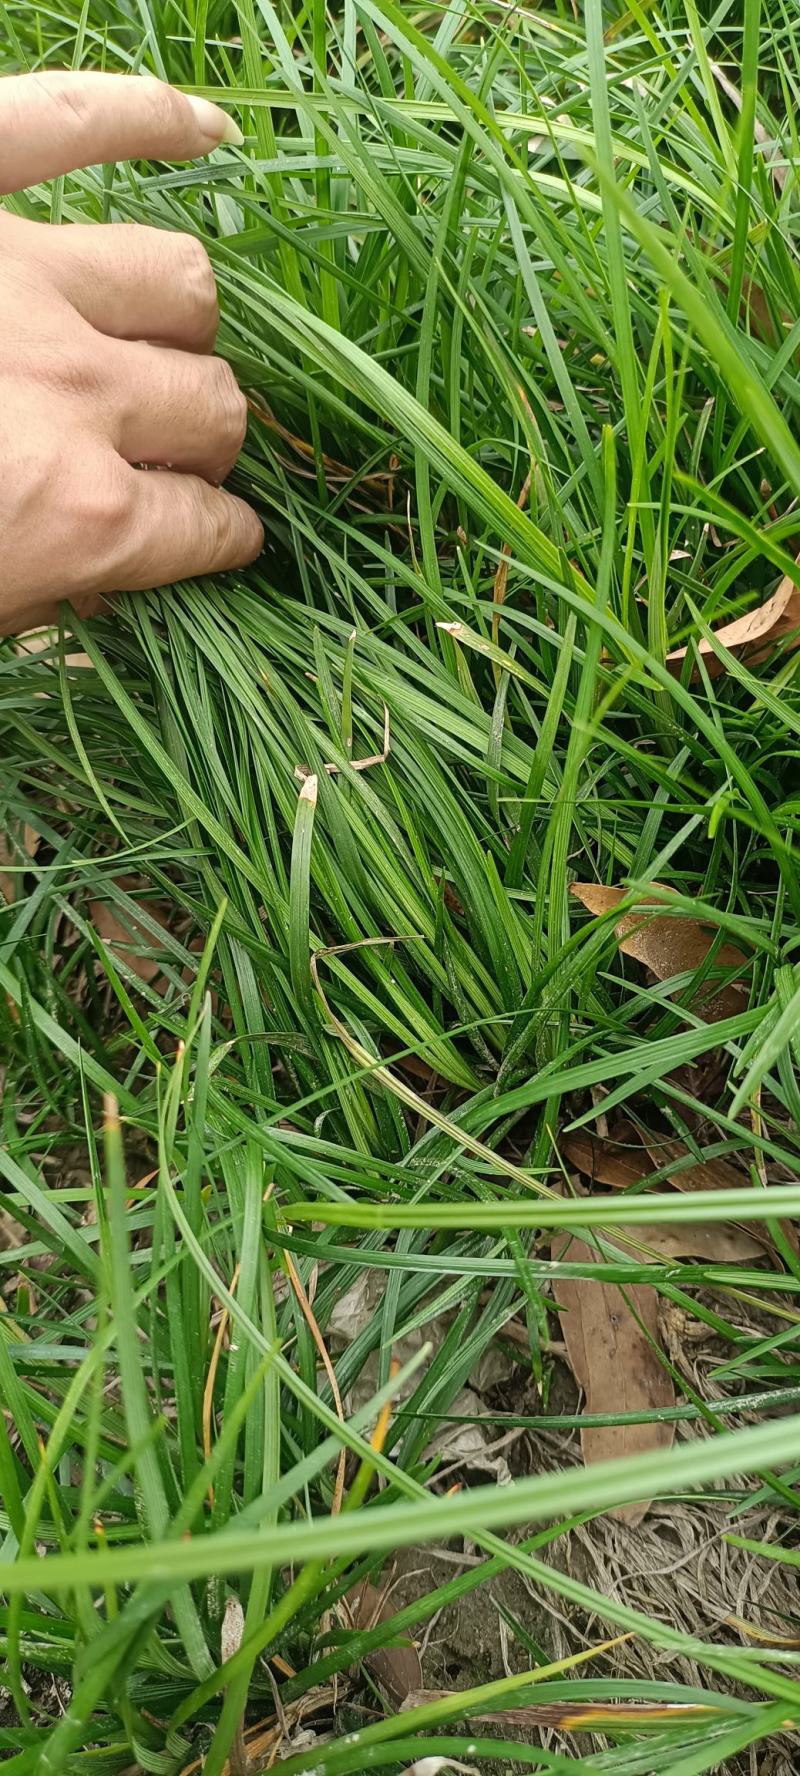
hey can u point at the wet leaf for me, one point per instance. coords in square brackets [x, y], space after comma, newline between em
[396, 1668]
[669, 944]
[753, 636]
[606, 1335]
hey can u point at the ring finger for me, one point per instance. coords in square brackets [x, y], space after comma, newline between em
[176, 408]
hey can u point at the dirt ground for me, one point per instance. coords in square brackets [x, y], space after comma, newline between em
[674, 1566]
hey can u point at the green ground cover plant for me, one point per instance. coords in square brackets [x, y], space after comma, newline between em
[295, 991]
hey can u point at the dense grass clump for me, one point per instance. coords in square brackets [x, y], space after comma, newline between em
[514, 296]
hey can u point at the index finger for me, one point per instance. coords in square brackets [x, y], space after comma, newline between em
[51, 123]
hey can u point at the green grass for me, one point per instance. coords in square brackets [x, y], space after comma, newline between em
[514, 293]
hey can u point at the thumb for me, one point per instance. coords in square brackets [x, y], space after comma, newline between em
[52, 123]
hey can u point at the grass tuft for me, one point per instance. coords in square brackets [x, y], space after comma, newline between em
[287, 859]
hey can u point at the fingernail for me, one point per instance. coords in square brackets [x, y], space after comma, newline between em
[215, 123]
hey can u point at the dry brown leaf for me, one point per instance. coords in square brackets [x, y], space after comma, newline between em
[712, 1243]
[626, 1161]
[620, 1163]
[264, 1739]
[122, 939]
[396, 1668]
[714, 1174]
[11, 879]
[304, 1299]
[669, 945]
[614, 1363]
[752, 636]
[626, 1158]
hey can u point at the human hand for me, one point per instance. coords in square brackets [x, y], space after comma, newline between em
[105, 340]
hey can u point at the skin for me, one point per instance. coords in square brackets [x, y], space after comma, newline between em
[106, 365]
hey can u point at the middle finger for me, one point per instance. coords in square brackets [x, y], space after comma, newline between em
[176, 408]
[129, 281]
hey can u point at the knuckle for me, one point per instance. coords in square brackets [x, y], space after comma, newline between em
[198, 283]
[108, 505]
[159, 99]
[72, 368]
[215, 517]
[72, 109]
[219, 528]
[99, 517]
[231, 406]
[197, 267]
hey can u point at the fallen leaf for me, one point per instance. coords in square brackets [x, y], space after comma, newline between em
[353, 1310]
[613, 1162]
[264, 1740]
[716, 1174]
[752, 636]
[627, 1157]
[466, 1445]
[614, 1362]
[670, 945]
[122, 939]
[627, 1160]
[712, 1174]
[396, 1668]
[11, 881]
[713, 1243]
